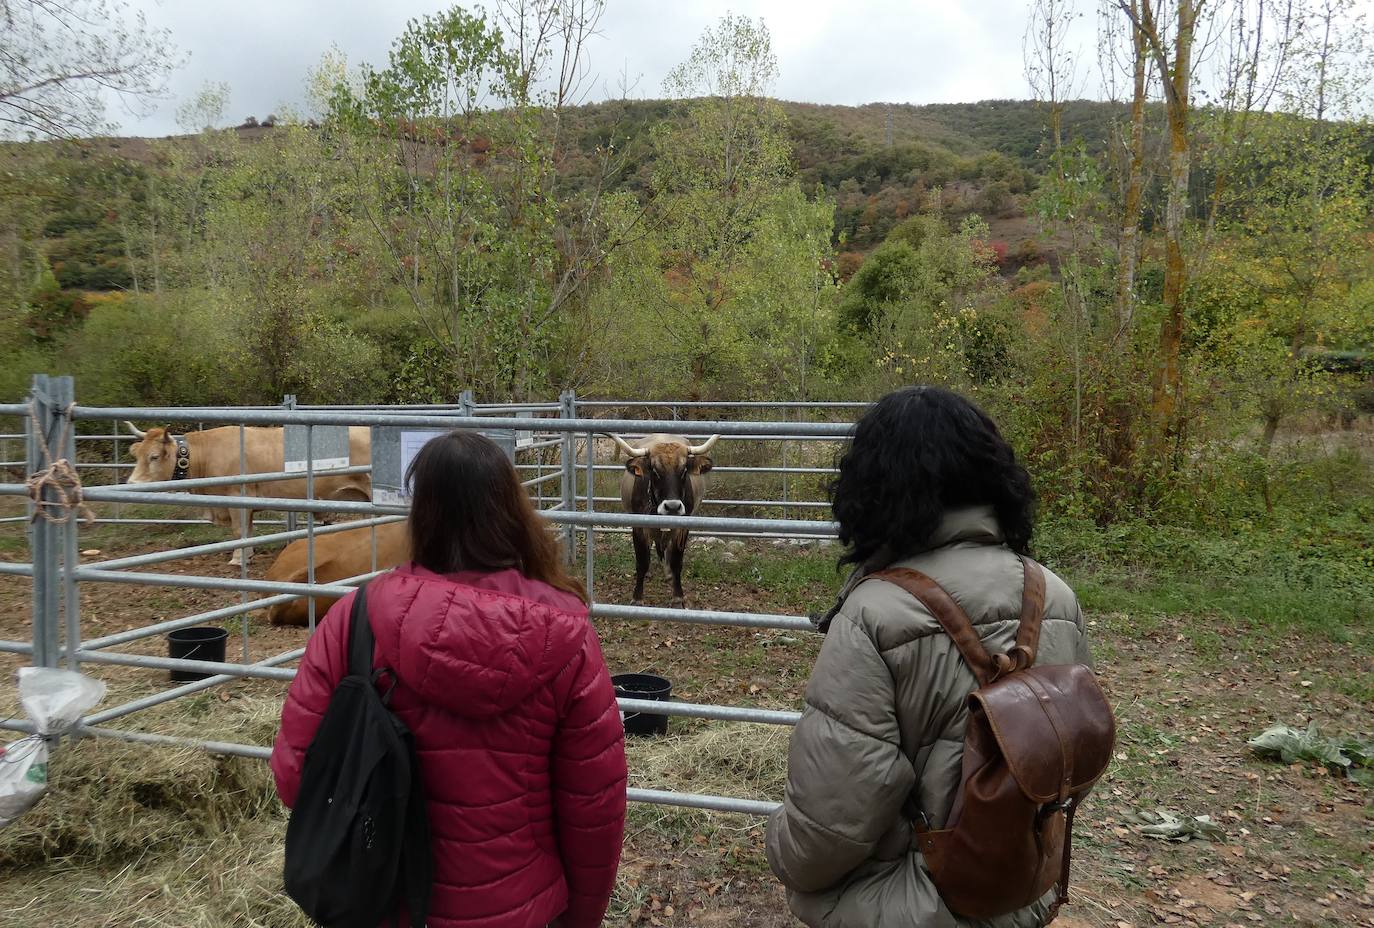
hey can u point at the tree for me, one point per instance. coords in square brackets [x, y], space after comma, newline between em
[60, 59]
[1171, 46]
[266, 234]
[453, 147]
[917, 303]
[786, 295]
[205, 111]
[1129, 149]
[1051, 65]
[718, 170]
[1297, 218]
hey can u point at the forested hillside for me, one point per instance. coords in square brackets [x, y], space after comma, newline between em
[405, 242]
[880, 174]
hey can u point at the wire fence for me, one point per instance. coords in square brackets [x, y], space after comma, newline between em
[561, 449]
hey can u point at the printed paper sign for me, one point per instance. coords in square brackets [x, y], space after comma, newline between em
[327, 445]
[393, 450]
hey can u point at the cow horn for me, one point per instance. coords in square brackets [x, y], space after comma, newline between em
[702, 449]
[627, 448]
[135, 429]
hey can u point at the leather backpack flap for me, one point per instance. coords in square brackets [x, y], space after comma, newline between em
[1054, 726]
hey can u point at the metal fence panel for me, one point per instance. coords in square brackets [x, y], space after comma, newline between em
[315, 440]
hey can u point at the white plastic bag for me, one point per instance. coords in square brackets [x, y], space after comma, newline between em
[53, 701]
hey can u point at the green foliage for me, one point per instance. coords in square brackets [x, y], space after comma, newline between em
[164, 353]
[727, 292]
[448, 227]
[456, 195]
[929, 308]
[52, 311]
[886, 278]
[193, 350]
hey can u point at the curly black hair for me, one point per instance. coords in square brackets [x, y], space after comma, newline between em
[916, 454]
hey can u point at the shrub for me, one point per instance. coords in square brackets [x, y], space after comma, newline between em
[53, 312]
[171, 351]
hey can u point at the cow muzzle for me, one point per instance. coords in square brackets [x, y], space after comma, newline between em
[671, 507]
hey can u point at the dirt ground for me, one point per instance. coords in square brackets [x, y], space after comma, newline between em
[1298, 844]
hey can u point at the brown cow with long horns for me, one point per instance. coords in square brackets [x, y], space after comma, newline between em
[664, 476]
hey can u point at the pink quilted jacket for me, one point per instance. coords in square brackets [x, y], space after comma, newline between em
[502, 681]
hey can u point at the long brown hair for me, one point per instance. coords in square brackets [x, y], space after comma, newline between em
[469, 512]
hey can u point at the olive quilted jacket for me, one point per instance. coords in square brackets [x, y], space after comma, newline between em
[882, 735]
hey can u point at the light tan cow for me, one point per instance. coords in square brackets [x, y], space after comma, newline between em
[338, 556]
[162, 455]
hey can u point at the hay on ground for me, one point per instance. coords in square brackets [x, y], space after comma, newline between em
[736, 759]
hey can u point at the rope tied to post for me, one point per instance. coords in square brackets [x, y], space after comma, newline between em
[58, 475]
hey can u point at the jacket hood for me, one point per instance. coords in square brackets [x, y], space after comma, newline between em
[974, 524]
[475, 644]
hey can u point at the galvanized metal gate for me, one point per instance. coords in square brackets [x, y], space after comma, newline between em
[58, 498]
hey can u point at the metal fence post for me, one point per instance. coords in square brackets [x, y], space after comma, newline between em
[45, 444]
[567, 409]
[310, 524]
[65, 394]
[467, 404]
[288, 402]
[589, 534]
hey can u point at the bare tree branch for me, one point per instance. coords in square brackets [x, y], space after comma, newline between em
[58, 60]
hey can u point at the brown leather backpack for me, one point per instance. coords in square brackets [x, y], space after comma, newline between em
[1038, 738]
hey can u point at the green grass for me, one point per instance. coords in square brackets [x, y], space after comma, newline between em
[1252, 584]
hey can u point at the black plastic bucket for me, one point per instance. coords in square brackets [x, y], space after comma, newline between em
[643, 686]
[202, 643]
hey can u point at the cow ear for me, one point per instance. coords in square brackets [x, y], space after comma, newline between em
[167, 435]
[699, 464]
[635, 466]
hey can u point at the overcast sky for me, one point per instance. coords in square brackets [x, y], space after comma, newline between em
[860, 51]
[837, 51]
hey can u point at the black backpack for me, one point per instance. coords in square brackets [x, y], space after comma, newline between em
[357, 843]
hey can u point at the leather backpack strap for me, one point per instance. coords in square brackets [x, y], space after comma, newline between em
[1062, 896]
[949, 614]
[1023, 653]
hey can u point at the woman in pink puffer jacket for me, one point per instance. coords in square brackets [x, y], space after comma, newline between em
[500, 678]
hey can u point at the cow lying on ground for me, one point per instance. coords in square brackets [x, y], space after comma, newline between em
[338, 556]
[160, 455]
[664, 476]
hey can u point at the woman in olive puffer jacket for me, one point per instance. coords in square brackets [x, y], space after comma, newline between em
[929, 484]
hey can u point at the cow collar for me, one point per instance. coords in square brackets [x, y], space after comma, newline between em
[183, 458]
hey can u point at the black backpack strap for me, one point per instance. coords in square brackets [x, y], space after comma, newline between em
[360, 640]
[416, 864]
